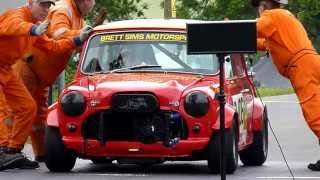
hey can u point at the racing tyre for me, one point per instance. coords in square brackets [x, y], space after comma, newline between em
[256, 153]
[231, 151]
[57, 158]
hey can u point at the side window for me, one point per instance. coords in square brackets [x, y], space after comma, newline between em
[237, 66]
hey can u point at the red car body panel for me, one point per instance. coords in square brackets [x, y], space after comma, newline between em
[170, 90]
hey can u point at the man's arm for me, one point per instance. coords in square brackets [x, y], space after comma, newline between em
[261, 44]
[265, 25]
[13, 23]
[65, 45]
[61, 25]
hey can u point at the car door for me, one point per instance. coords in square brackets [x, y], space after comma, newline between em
[241, 94]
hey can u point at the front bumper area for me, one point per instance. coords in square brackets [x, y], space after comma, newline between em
[184, 148]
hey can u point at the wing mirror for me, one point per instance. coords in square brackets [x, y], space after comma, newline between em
[76, 58]
[252, 74]
[227, 58]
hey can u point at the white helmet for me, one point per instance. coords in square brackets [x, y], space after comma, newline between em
[255, 3]
[285, 2]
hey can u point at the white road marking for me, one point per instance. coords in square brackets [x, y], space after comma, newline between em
[115, 174]
[287, 178]
[290, 102]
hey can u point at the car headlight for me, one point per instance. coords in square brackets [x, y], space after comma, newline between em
[196, 104]
[73, 103]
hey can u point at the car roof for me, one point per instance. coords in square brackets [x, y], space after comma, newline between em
[147, 23]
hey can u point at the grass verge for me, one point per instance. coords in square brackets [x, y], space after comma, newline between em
[275, 91]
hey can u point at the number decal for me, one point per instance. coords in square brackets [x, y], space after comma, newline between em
[241, 108]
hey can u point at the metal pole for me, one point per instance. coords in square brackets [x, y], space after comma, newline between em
[167, 9]
[50, 98]
[222, 101]
[173, 9]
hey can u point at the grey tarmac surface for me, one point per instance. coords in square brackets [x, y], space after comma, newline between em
[298, 143]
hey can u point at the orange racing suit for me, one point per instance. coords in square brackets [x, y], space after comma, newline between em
[294, 56]
[45, 66]
[17, 107]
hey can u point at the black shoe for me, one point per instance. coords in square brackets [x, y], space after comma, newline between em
[24, 162]
[10, 161]
[315, 166]
[3, 149]
[39, 158]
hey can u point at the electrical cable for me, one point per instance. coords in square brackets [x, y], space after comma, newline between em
[274, 134]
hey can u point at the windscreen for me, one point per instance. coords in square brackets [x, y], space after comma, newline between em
[152, 51]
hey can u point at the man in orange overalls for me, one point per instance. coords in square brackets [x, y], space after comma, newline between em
[18, 32]
[281, 33]
[43, 67]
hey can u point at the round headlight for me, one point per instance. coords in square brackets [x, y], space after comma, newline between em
[73, 103]
[196, 104]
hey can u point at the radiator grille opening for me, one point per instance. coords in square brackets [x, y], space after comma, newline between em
[142, 127]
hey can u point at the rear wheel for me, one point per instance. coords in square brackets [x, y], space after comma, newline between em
[256, 153]
[231, 151]
[57, 158]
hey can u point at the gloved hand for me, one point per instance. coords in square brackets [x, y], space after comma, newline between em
[85, 33]
[41, 28]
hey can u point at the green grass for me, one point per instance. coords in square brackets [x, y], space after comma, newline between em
[274, 91]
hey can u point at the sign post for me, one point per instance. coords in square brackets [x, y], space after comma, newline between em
[167, 9]
[173, 9]
[222, 38]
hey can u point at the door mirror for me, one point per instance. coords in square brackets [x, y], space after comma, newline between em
[252, 74]
[76, 58]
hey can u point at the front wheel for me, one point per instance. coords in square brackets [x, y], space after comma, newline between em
[57, 157]
[256, 153]
[231, 151]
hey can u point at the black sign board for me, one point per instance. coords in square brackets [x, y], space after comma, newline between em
[214, 37]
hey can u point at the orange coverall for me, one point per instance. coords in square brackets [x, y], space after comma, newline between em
[294, 56]
[45, 67]
[17, 107]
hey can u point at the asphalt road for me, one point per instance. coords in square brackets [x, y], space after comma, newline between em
[299, 145]
[268, 76]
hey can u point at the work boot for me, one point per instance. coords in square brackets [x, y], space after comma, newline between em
[9, 161]
[24, 163]
[315, 166]
[2, 149]
[39, 158]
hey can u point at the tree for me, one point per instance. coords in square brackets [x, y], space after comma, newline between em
[120, 9]
[308, 11]
[214, 9]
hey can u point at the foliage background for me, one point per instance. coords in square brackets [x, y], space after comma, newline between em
[308, 11]
[120, 9]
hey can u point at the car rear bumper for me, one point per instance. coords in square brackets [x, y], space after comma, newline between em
[184, 148]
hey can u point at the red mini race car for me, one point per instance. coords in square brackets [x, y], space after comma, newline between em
[138, 98]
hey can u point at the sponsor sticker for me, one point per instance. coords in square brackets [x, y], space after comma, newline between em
[145, 36]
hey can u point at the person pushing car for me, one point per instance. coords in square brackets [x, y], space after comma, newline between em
[43, 67]
[19, 31]
[293, 54]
